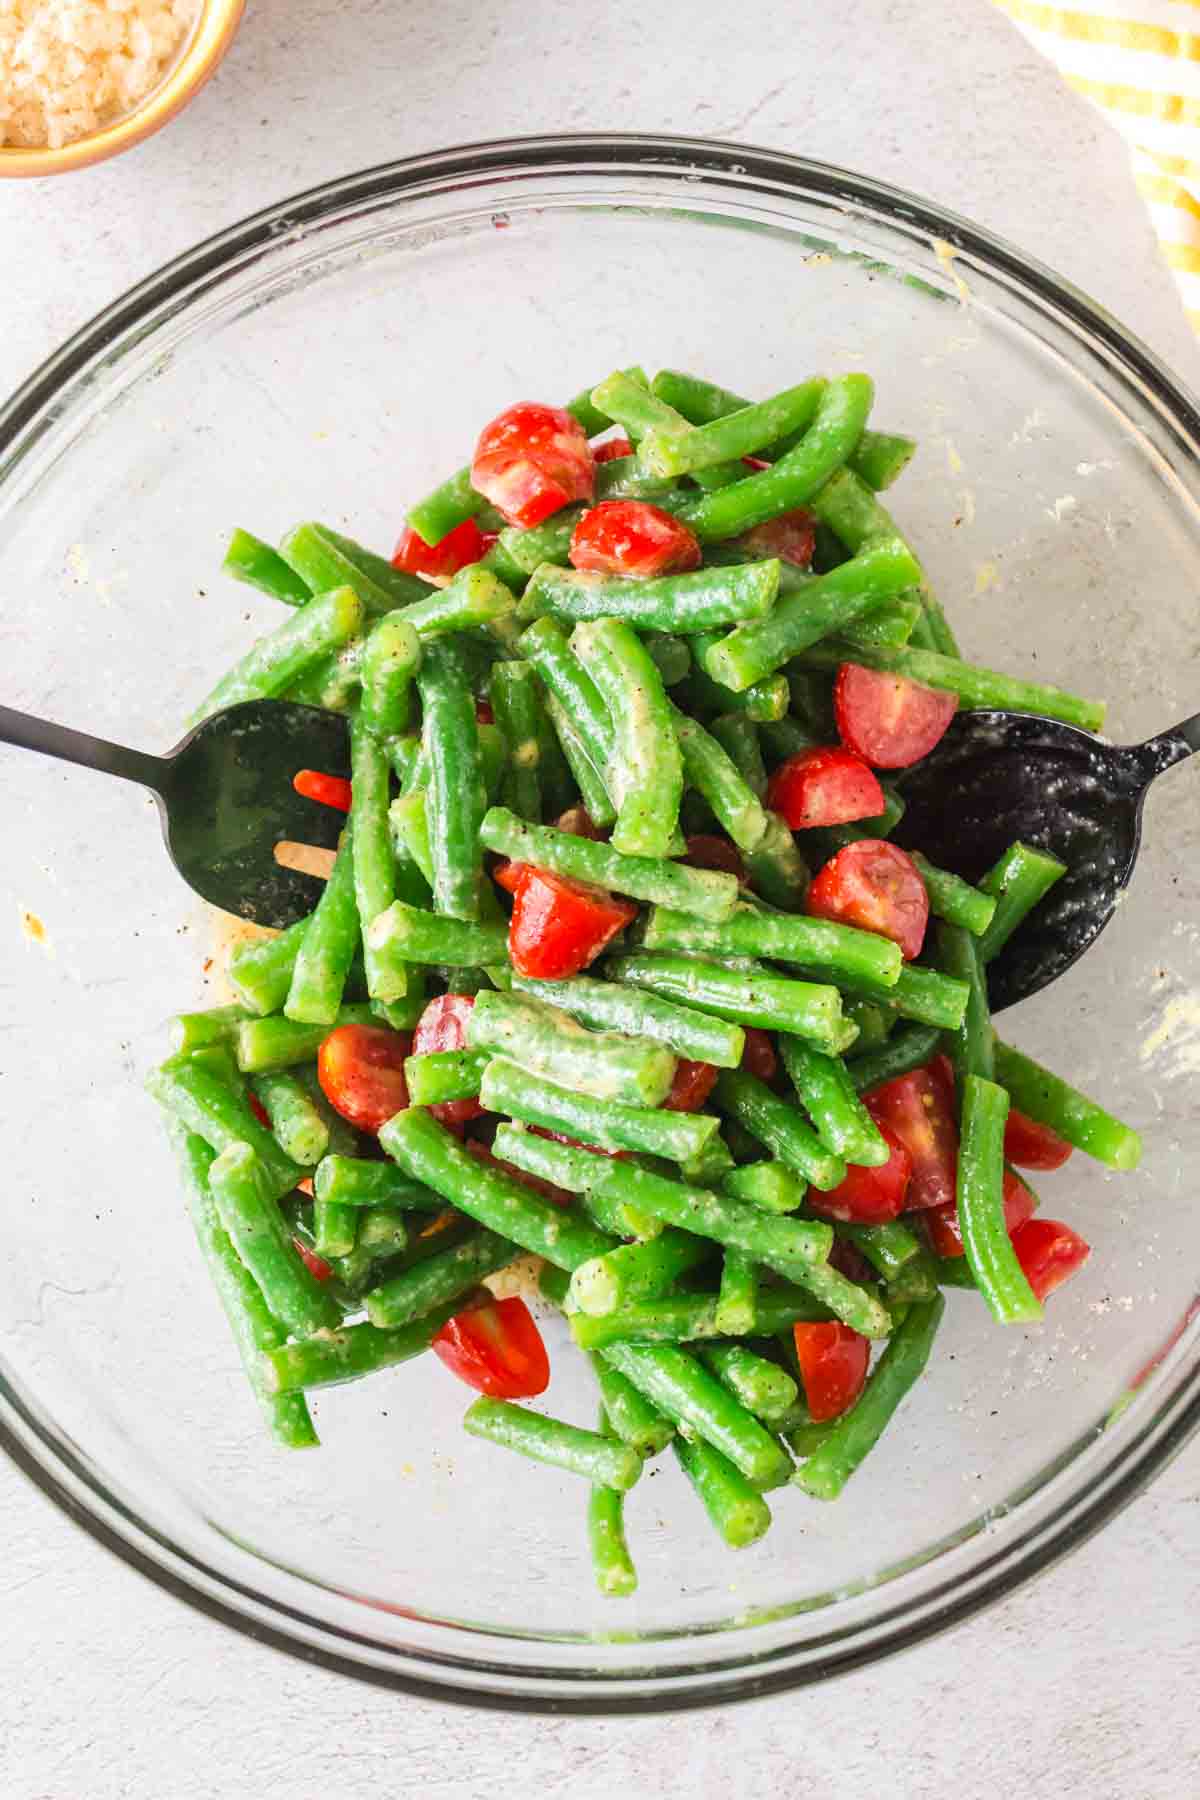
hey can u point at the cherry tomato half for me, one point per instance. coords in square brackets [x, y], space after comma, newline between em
[708, 851]
[827, 786]
[833, 1366]
[443, 1026]
[1033, 1146]
[559, 926]
[631, 537]
[914, 1109]
[693, 1083]
[889, 720]
[791, 537]
[496, 1348]
[465, 544]
[868, 1196]
[1049, 1253]
[329, 790]
[876, 886]
[531, 460]
[758, 1054]
[614, 447]
[361, 1071]
[941, 1222]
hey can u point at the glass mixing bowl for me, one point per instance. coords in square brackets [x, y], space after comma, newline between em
[332, 358]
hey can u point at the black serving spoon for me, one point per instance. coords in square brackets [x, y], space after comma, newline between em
[225, 797]
[999, 776]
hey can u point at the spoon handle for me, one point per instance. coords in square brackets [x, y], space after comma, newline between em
[28, 733]
[1168, 748]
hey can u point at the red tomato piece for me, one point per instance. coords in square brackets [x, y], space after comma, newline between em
[708, 851]
[509, 875]
[828, 786]
[868, 1196]
[482, 1153]
[941, 1222]
[849, 1261]
[443, 1026]
[259, 1110]
[559, 926]
[889, 720]
[833, 1366]
[316, 1265]
[459, 547]
[361, 1071]
[578, 821]
[758, 1056]
[1049, 1253]
[497, 1348]
[330, 790]
[532, 460]
[791, 537]
[876, 886]
[914, 1109]
[693, 1083]
[483, 713]
[1033, 1146]
[609, 452]
[631, 537]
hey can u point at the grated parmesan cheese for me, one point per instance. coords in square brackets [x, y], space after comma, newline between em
[69, 67]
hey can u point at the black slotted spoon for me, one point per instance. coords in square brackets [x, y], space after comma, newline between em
[225, 796]
[999, 776]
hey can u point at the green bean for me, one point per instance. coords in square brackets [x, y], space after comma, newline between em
[980, 1201]
[609, 1006]
[770, 1002]
[925, 995]
[544, 644]
[776, 868]
[685, 1391]
[709, 768]
[509, 1089]
[1051, 1101]
[888, 1247]
[848, 1301]
[783, 1130]
[301, 1132]
[844, 950]
[750, 429]
[390, 659]
[408, 819]
[971, 1046]
[277, 659]
[917, 1280]
[327, 560]
[444, 1276]
[221, 1115]
[1022, 877]
[423, 937]
[737, 735]
[645, 772]
[577, 1170]
[831, 1465]
[428, 1153]
[248, 559]
[630, 1415]
[889, 626]
[372, 858]
[260, 968]
[811, 612]
[382, 1230]
[350, 1351]
[762, 701]
[352, 1181]
[737, 1510]
[603, 1460]
[710, 1167]
[590, 783]
[437, 1076]
[706, 893]
[829, 839]
[245, 1196]
[548, 542]
[763, 1387]
[670, 656]
[872, 1023]
[335, 1228]
[612, 1565]
[770, 1186]
[827, 1094]
[848, 506]
[218, 1059]
[620, 478]
[324, 958]
[547, 1041]
[218, 1025]
[457, 800]
[641, 412]
[634, 1272]
[955, 900]
[737, 1295]
[975, 686]
[686, 603]
[253, 1326]
[516, 705]
[908, 1048]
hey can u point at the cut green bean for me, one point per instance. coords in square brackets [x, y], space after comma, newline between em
[516, 704]
[351, 1351]
[955, 900]
[763, 1387]
[635, 1272]
[871, 1022]
[917, 1280]
[612, 1565]
[576, 1170]
[683, 1389]
[695, 601]
[786, 1134]
[544, 644]
[335, 1229]
[192, 1031]
[705, 893]
[844, 950]
[888, 1247]
[549, 1042]
[630, 1415]
[1022, 877]
[745, 432]
[770, 1002]
[971, 1046]
[775, 867]
[263, 1045]
[373, 860]
[737, 1295]
[980, 1203]
[600, 1459]
[390, 658]
[909, 1047]
[299, 1128]
[770, 1186]
[352, 1181]
[737, 735]
[549, 542]
[855, 1305]
[709, 768]
[423, 937]
[327, 560]
[975, 686]
[509, 1089]
[763, 702]
[260, 968]
[831, 1465]
[827, 1094]
[221, 1115]
[641, 412]
[245, 1197]
[443, 1276]
[588, 779]
[328, 947]
[457, 799]
[428, 1153]
[924, 995]
[738, 1512]
[382, 1230]
[437, 1076]
[248, 559]
[408, 820]
[1054, 1102]
[277, 659]
[609, 1006]
[644, 774]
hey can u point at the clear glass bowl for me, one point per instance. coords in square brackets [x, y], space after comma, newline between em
[330, 358]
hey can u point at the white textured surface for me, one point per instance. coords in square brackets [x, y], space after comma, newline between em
[1082, 1684]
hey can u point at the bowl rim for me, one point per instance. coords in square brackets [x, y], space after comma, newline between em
[1074, 1518]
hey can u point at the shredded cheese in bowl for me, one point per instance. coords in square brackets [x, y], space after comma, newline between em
[69, 67]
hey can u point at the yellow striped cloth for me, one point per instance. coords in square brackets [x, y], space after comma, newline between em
[1139, 62]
